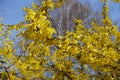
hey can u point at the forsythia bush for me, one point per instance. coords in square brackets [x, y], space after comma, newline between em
[36, 53]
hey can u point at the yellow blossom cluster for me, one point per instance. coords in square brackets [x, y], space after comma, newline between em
[36, 54]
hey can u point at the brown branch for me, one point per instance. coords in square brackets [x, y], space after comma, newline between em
[67, 76]
[12, 63]
[7, 73]
[63, 72]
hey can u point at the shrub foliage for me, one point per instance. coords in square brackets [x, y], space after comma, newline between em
[31, 50]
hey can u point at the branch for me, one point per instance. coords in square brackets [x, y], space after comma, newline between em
[88, 17]
[7, 72]
[54, 25]
[13, 63]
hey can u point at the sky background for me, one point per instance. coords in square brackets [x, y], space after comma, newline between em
[12, 13]
[11, 10]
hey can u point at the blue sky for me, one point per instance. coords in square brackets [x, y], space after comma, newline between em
[12, 13]
[114, 9]
[11, 10]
